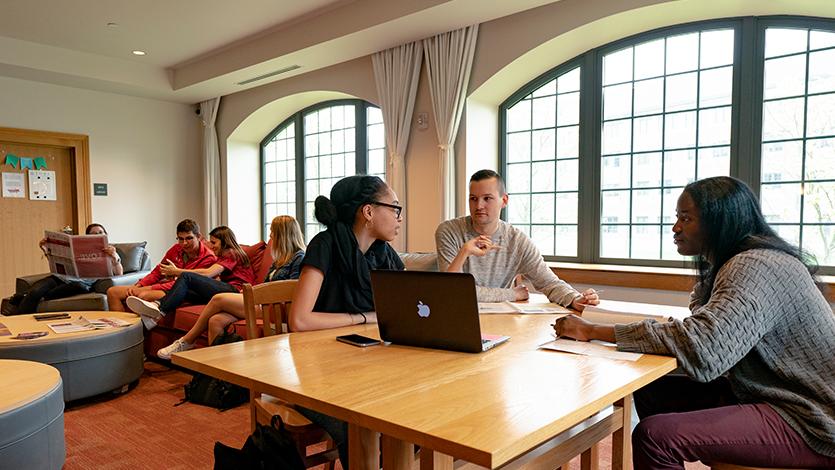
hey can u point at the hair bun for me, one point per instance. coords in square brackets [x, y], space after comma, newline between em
[324, 211]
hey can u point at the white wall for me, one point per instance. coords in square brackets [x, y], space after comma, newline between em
[147, 151]
[243, 178]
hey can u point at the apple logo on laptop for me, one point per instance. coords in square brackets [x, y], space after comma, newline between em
[423, 309]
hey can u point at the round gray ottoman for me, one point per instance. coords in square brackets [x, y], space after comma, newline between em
[31, 416]
[90, 362]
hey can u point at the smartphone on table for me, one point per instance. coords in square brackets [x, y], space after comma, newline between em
[358, 340]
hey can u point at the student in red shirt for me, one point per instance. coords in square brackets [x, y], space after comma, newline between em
[198, 286]
[189, 253]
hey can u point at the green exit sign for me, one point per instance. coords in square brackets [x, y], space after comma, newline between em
[100, 189]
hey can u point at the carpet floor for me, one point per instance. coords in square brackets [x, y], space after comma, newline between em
[142, 429]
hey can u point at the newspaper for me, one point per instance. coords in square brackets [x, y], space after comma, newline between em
[83, 324]
[80, 256]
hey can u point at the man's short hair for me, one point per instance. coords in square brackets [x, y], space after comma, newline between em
[481, 175]
[188, 225]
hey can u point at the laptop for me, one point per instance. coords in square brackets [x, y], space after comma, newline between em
[430, 310]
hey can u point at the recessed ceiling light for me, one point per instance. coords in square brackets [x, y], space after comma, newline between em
[138, 52]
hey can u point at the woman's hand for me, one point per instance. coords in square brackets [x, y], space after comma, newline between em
[168, 269]
[110, 250]
[42, 246]
[588, 297]
[574, 327]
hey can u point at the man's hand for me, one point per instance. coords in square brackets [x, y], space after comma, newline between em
[478, 246]
[168, 269]
[589, 297]
[137, 290]
[521, 293]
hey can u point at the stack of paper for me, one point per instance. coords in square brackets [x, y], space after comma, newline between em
[526, 308]
[590, 348]
[613, 311]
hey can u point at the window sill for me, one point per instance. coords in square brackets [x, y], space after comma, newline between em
[643, 277]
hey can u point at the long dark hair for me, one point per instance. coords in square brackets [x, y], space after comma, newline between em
[229, 242]
[347, 196]
[731, 221]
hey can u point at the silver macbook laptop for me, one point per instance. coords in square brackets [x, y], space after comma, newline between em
[430, 310]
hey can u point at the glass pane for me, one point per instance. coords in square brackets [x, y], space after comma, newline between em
[376, 162]
[311, 189]
[270, 172]
[819, 240]
[543, 145]
[617, 136]
[568, 142]
[617, 66]
[325, 143]
[717, 48]
[312, 167]
[549, 88]
[679, 167]
[680, 130]
[543, 238]
[646, 241]
[270, 195]
[614, 241]
[544, 112]
[566, 208]
[782, 41]
[614, 207]
[821, 39]
[325, 166]
[519, 147]
[526, 229]
[615, 172]
[682, 53]
[783, 119]
[311, 123]
[376, 138]
[518, 209]
[617, 101]
[781, 202]
[649, 59]
[519, 177]
[568, 175]
[324, 120]
[566, 240]
[569, 81]
[822, 71]
[820, 159]
[350, 115]
[338, 140]
[649, 96]
[782, 161]
[715, 126]
[646, 170]
[669, 198]
[568, 109]
[646, 206]
[820, 119]
[715, 87]
[714, 162]
[648, 133]
[311, 146]
[789, 233]
[681, 92]
[819, 203]
[519, 116]
[542, 178]
[542, 208]
[785, 76]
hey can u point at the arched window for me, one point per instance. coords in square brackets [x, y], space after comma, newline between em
[313, 149]
[594, 169]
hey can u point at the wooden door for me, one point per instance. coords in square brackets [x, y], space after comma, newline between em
[23, 221]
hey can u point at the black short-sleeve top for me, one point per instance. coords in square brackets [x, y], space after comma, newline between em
[341, 291]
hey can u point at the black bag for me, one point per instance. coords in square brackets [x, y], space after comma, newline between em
[268, 447]
[209, 391]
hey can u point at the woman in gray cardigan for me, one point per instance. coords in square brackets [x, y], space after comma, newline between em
[757, 351]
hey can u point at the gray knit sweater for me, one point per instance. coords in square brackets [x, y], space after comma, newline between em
[770, 329]
[494, 272]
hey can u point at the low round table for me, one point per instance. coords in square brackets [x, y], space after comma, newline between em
[90, 362]
[31, 415]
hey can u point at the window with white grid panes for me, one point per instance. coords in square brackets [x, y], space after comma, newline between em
[279, 170]
[542, 164]
[665, 122]
[797, 174]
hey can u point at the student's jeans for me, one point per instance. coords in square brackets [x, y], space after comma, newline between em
[685, 421]
[192, 288]
[51, 287]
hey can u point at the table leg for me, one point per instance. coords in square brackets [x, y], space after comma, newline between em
[622, 438]
[590, 458]
[397, 454]
[431, 460]
[363, 448]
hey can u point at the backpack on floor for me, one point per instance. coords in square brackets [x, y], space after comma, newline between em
[209, 391]
[268, 447]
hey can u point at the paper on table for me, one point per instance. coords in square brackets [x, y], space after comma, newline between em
[614, 311]
[526, 308]
[81, 324]
[590, 348]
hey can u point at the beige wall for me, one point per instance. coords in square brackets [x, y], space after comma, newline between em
[147, 151]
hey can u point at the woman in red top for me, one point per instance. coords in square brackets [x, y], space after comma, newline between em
[198, 286]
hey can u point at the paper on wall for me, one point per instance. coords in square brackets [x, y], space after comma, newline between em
[14, 185]
[42, 185]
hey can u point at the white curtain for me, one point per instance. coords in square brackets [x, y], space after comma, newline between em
[449, 59]
[396, 72]
[211, 165]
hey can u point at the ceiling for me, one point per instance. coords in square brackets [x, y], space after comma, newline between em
[198, 49]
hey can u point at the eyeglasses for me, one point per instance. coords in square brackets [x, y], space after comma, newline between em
[397, 209]
[185, 239]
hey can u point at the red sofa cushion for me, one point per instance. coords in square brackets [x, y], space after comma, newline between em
[261, 258]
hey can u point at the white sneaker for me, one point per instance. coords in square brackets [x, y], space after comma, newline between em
[149, 311]
[175, 347]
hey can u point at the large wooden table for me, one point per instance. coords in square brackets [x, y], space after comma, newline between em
[514, 405]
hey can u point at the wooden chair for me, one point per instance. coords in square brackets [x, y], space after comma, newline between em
[729, 466]
[270, 302]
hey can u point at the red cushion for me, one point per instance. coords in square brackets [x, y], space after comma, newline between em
[261, 258]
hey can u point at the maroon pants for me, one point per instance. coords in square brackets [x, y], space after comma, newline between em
[685, 421]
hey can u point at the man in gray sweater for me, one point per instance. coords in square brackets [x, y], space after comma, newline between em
[494, 252]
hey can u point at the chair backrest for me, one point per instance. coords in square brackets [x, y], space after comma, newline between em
[274, 299]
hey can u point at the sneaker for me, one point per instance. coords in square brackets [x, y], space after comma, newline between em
[175, 347]
[149, 311]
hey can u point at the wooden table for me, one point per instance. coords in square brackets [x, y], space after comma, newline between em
[490, 409]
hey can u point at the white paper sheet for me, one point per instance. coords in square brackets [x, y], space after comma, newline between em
[613, 311]
[590, 348]
[14, 185]
[524, 308]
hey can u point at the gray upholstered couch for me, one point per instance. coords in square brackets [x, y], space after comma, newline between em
[135, 261]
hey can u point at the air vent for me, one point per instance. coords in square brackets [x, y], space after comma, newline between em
[268, 75]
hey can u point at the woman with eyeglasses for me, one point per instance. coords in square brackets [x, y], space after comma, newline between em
[334, 290]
